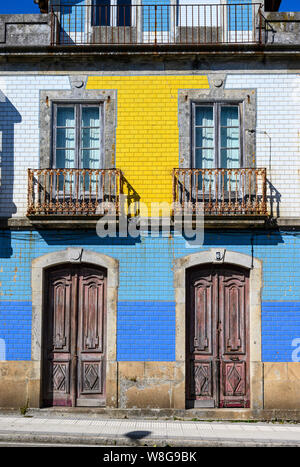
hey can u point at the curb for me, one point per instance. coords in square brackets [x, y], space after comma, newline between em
[219, 415]
[210, 415]
[111, 441]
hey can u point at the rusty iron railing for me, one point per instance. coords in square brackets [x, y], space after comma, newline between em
[221, 191]
[156, 24]
[74, 191]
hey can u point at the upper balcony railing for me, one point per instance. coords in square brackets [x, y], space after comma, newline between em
[163, 24]
[77, 192]
[221, 191]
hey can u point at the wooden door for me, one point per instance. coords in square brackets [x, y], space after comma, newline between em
[74, 339]
[91, 338]
[217, 337]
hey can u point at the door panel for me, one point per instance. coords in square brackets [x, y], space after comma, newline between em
[202, 340]
[74, 337]
[203, 316]
[234, 378]
[58, 337]
[233, 306]
[203, 377]
[91, 339]
[234, 312]
[217, 337]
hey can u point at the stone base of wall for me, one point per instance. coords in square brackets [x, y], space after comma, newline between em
[282, 385]
[19, 384]
[154, 385]
[151, 385]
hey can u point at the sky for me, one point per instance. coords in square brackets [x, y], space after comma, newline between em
[18, 6]
[27, 6]
[290, 5]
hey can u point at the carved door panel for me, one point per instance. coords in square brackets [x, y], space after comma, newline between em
[74, 337]
[234, 341]
[217, 340]
[91, 339]
[201, 339]
[59, 344]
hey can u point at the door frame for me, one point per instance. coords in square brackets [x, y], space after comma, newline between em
[77, 256]
[222, 256]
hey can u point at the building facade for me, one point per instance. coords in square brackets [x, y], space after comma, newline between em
[122, 116]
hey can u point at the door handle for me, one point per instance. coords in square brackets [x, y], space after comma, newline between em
[234, 359]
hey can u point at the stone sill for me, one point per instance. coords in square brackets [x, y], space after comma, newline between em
[282, 16]
[240, 50]
[293, 222]
[90, 222]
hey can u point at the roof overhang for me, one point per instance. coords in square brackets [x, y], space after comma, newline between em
[272, 5]
[43, 4]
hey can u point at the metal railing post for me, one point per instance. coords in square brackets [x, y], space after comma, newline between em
[155, 25]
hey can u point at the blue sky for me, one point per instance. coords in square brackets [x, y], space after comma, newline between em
[27, 6]
[290, 5]
[18, 6]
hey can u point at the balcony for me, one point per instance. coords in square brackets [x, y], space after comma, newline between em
[161, 24]
[81, 194]
[74, 192]
[221, 192]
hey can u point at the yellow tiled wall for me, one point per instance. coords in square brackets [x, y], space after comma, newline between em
[147, 146]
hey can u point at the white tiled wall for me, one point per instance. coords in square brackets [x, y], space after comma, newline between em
[277, 132]
[19, 126]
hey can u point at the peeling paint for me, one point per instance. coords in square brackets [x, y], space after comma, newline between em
[15, 275]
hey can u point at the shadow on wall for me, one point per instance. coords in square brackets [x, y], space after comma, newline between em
[240, 238]
[85, 238]
[9, 116]
[71, 26]
[273, 198]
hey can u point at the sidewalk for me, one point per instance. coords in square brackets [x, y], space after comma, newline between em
[85, 430]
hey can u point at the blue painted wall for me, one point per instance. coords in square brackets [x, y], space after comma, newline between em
[146, 331]
[146, 309]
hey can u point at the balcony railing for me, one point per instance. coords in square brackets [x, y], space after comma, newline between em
[74, 191]
[159, 24]
[221, 191]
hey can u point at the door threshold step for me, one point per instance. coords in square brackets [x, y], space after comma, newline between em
[208, 414]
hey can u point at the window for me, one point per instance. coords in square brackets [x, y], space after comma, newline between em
[239, 16]
[216, 136]
[101, 13]
[111, 13]
[156, 15]
[123, 12]
[77, 136]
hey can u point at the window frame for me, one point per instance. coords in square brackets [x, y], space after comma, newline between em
[216, 105]
[77, 105]
[113, 9]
